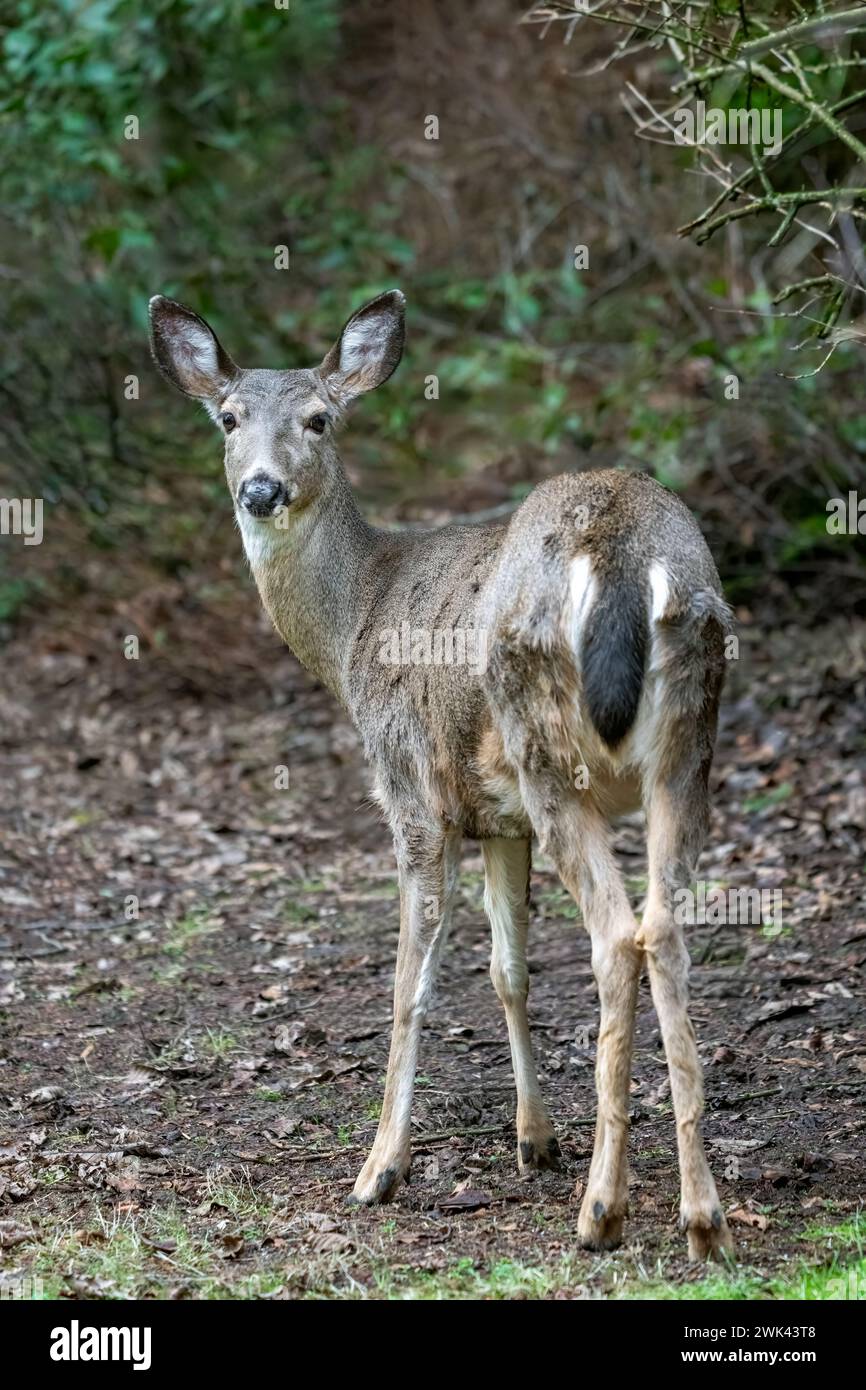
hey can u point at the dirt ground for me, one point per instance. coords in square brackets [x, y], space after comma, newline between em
[187, 1094]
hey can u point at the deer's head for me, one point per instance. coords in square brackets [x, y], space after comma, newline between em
[278, 425]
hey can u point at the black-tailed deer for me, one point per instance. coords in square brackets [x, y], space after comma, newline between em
[541, 676]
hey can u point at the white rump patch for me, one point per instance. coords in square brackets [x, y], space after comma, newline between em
[582, 592]
[660, 588]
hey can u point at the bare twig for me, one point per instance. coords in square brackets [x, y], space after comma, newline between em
[771, 66]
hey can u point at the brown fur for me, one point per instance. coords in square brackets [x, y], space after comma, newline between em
[493, 753]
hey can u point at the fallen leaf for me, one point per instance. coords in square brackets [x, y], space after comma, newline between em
[471, 1199]
[127, 1180]
[749, 1218]
[780, 1008]
[814, 1163]
[44, 1095]
[12, 1234]
[777, 1177]
[738, 1146]
[232, 1246]
[329, 1242]
[321, 1221]
[283, 1126]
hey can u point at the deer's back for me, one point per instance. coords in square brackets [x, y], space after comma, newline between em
[476, 648]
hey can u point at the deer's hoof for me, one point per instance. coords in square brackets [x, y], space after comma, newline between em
[599, 1225]
[708, 1234]
[536, 1154]
[377, 1183]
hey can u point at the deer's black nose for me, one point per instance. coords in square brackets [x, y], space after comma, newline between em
[261, 495]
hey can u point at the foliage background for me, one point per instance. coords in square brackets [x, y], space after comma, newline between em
[305, 127]
[262, 127]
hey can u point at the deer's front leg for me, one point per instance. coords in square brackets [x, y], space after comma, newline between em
[427, 862]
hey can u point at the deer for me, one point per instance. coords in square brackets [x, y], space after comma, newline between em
[601, 619]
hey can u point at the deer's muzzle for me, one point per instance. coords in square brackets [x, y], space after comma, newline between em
[261, 495]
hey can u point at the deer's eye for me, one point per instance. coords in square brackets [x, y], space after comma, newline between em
[317, 423]
[228, 421]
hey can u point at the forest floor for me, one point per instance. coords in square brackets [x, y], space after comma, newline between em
[187, 1094]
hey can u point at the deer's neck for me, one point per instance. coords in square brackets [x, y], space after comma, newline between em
[310, 578]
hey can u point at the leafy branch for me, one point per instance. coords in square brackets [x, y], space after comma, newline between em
[743, 57]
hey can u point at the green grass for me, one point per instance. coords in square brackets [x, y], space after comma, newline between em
[130, 1256]
[508, 1279]
[217, 1043]
[49, 1177]
[119, 1257]
[183, 933]
[805, 1282]
[505, 1279]
[238, 1197]
[842, 1275]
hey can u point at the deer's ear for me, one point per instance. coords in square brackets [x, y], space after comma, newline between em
[368, 349]
[188, 352]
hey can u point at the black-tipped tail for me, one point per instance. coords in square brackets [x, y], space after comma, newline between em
[613, 656]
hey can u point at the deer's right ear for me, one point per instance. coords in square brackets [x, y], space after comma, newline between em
[188, 352]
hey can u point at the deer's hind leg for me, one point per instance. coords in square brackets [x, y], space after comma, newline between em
[594, 879]
[576, 835]
[677, 806]
[534, 702]
[677, 814]
[506, 901]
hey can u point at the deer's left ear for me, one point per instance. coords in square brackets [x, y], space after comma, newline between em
[368, 349]
[188, 352]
